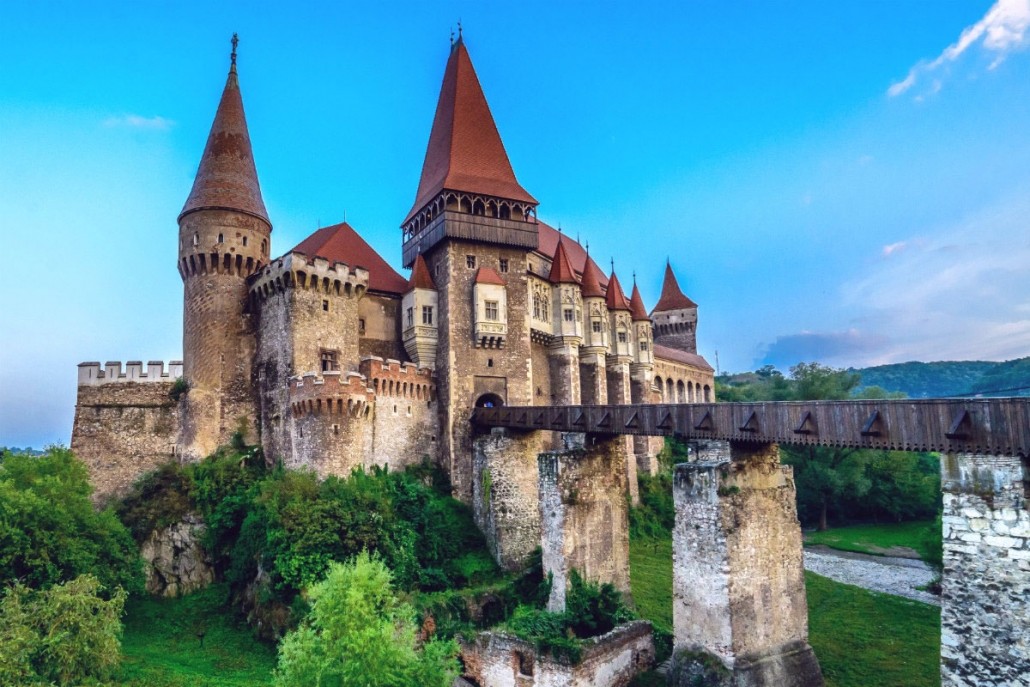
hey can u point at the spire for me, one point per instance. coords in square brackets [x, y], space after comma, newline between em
[420, 277]
[465, 152]
[561, 268]
[227, 178]
[636, 306]
[615, 299]
[592, 280]
[672, 297]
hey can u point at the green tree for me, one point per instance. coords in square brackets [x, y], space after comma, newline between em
[358, 633]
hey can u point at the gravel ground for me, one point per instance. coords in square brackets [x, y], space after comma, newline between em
[898, 576]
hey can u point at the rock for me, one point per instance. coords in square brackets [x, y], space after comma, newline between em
[698, 669]
[175, 562]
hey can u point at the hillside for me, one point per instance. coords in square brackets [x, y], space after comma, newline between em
[951, 378]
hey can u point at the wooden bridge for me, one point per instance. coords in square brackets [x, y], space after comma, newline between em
[993, 426]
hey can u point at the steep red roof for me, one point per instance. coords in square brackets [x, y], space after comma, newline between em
[420, 277]
[672, 297]
[465, 152]
[340, 243]
[615, 298]
[676, 355]
[561, 268]
[227, 177]
[636, 306]
[592, 280]
[486, 275]
[547, 244]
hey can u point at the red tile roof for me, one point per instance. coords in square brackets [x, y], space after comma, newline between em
[341, 243]
[486, 275]
[672, 297]
[465, 152]
[547, 244]
[561, 268]
[420, 277]
[636, 306]
[592, 278]
[615, 298]
[678, 356]
[227, 177]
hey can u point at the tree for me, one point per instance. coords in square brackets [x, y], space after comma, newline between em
[358, 633]
[824, 476]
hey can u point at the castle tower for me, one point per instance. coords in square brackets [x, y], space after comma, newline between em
[641, 374]
[567, 313]
[675, 316]
[474, 225]
[592, 354]
[620, 352]
[224, 237]
[420, 310]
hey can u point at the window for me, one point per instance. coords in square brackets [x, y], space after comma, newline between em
[361, 326]
[470, 262]
[643, 345]
[221, 239]
[504, 264]
[411, 317]
[244, 241]
[536, 307]
[569, 315]
[427, 314]
[622, 337]
[196, 239]
[595, 326]
[492, 311]
[330, 361]
[540, 308]
[325, 305]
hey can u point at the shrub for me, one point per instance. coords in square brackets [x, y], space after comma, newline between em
[158, 499]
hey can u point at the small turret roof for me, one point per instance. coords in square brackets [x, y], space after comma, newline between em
[227, 176]
[340, 243]
[420, 277]
[615, 298]
[487, 275]
[672, 297]
[465, 152]
[636, 306]
[561, 268]
[592, 278]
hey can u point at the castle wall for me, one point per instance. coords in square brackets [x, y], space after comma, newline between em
[274, 367]
[331, 420]
[543, 394]
[676, 329]
[126, 423]
[985, 599]
[694, 381]
[382, 333]
[405, 429]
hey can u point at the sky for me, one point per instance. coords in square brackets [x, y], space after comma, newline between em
[841, 182]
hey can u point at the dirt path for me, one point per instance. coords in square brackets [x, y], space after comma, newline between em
[889, 575]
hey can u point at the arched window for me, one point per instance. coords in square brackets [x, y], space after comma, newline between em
[681, 392]
[670, 397]
[489, 401]
[690, 392]
[661, 386]
[708, 394]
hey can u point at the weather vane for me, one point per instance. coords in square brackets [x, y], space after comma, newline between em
[235, 42]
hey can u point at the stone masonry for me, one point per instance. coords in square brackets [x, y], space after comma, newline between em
[985, 610]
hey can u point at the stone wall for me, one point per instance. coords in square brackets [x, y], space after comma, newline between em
[381, 335]
[738, 575]
[694, 381]
[496, 659]
[122, 430]
[331, 422]
[405, 424]
[541, 381]
[985, 603]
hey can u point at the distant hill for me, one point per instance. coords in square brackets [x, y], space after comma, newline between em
[958, 378]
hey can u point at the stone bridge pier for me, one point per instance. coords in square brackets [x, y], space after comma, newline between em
[738, 569]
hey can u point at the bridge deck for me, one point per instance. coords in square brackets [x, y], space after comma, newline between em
[997, 426]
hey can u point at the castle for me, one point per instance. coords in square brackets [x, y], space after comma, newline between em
[330, 359]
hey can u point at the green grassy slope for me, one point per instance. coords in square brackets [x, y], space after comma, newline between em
[875, 539]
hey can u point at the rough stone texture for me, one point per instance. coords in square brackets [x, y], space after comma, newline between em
[405, 427]
[738, 578]
[640, 392]
[331, 422]
[496, 659]
[618, 372]
[541, 369]
[584, 516]
[593, 376]
[985, 613]
[174, 561]
[122, 430]
[382, 316]
[505, 493]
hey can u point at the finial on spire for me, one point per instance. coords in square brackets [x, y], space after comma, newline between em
[588, 248]
[634, 277]
[613, 263]
[459, 29]
[452, 36]
[235, 41]
[559, 227]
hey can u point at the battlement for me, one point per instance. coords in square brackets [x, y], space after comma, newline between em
[333, 393]
[93, 374]
[298, 271]
[393, 378]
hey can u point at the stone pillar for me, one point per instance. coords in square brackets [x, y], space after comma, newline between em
[640, 393]
[593, 376]
[619, 395]
[985, 602]
[563, 361]
[737, 569]
[505, 493]
[584, 517]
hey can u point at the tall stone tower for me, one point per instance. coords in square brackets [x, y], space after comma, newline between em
[675, 316]
[475, 226]
[224, 237]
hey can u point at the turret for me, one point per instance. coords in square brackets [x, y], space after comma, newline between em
[224, 237]
[675, 316]
[593, 351]
[420, 310]
[642, 336]
[567, 301]
[620, 320]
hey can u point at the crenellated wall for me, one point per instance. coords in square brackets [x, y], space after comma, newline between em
[405, 424]
[331, 419]
[126, 422]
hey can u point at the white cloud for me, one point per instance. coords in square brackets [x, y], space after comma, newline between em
[892, 248]
[135, 121]
[1001, 31]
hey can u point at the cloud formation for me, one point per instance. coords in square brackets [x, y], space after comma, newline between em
[1000, 32]
[134, 121]
[831, 348]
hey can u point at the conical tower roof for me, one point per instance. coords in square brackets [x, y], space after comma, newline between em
[465, 151]
[420, 277]
[561, 267]
[227, 177]
[672, 297]
[592, 278]
[615, 299]
[636, 306]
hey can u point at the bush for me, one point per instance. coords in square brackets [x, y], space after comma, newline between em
[157, 500]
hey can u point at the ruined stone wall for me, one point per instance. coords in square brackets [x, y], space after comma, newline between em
[584, 515]
[122, 428]
[985, 602]
[405, 427]
[381, 314]
[331, 420]
[496, 659]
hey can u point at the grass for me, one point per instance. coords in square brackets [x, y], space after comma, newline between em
[161, 648]
[860, 638]
[877, 539]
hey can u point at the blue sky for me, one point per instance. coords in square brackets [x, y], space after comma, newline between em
[841, 182]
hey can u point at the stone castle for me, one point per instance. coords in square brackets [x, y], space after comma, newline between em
[330, 359]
